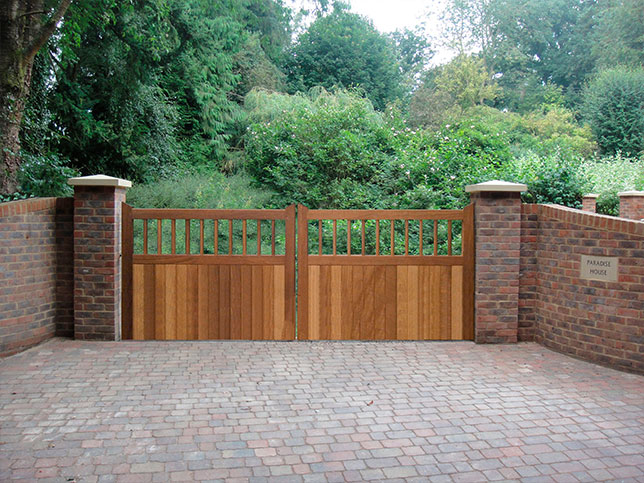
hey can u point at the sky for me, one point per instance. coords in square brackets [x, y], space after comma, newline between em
[390, 15]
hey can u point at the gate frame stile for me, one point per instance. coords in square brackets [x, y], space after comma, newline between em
[302, 272]
[127, 252]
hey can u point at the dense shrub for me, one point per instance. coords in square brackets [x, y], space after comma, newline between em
[610, 175]
[614, 107]
[44, 176]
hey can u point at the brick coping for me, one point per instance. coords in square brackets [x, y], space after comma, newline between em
[31, 205]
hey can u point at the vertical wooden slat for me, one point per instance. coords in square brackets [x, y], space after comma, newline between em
[215, 236]
[203, 303]
[150, 300]
[392, 236]
[367, 324]
[467, 250]
[159, 237]
[127, 247]
[145, 237]
[377, 237]
[259, 237]
[445, 303]
[280, 329]
[213, 302]
[173, 236]
[224, 301]
[406, 237]
[314, 302]
[391, 310]
[348, 237]
[319, 237]
[435, 237]
[192, 302]
[457, 303]
[235, 302]
[269, 302]
[335, 236]
[363, 237]
[201, 236]
[243, 237]
[303, 273]
[182, 302]
[347, 309]
[170, 301]
[379, 315]
[425, 302]
[420, 237]
[336, 303]
[187, 237]
[289, 273]
[159, 303]
[449, 237]
[230, 237]
[138, 303]
[434, 302]
[402, 303]
[257, 307]
[246, 302]
[412, 302]
[357, 300]
[325, 303]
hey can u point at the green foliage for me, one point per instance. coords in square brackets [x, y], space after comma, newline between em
[45, 176]
[467, 81]
[210, 190]
[344, 49]
[614, 107]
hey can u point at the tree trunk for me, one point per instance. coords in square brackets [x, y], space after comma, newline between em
[24, 29]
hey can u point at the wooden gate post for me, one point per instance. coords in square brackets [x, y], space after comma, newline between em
[497, 227]
[97, 256]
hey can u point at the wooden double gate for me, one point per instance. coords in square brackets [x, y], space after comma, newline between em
[361, 274]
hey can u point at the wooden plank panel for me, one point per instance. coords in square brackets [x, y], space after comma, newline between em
[149, 301]
[159, 305]
[325, 303]
[457, 303]
[379, 305]
[235, 302]
[280, 326]
[192, 302]
[203, 303]
[412, 303]
[402, 303]
[367, 323]
[336, 303]
[314, 303]
[434, 303]
[224, 302]
[170, 301]
[213, 302]
[246, 302]
[269, 302]
[138, 302]
[391, 302]
[346, 294]
[445, 303]
[257, 303]
[357, 301]
[182, 302]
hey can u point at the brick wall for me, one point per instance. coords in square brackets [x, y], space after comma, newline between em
[36, 272]
[496, 285]
[597, 321]
[631, 205]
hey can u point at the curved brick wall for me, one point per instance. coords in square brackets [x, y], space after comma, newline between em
[598, 321]
[36, 272]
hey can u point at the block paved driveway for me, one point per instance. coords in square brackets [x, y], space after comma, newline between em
[300, 411]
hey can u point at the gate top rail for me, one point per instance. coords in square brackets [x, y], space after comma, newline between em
[206, 214]
[384, 214]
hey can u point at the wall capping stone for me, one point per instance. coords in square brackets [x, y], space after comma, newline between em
[99, 180]
[497, 186]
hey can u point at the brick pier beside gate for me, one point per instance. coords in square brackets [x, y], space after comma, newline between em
[61, 266]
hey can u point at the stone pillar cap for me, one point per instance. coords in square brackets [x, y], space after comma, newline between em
[496, 185]
[99, 180]
[631, 193]
[591, 195]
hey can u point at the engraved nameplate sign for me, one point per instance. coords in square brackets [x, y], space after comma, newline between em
[599, 268]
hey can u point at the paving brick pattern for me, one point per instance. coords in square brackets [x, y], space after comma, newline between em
[301, 411]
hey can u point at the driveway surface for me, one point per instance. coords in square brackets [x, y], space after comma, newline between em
[322, 411]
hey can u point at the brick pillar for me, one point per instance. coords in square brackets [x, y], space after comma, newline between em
[631, 205]
[497, 228]
[589, 203]
[97, 256]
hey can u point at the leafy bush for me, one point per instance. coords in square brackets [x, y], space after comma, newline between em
[199, 190]
[614, 107]
[44, 176]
